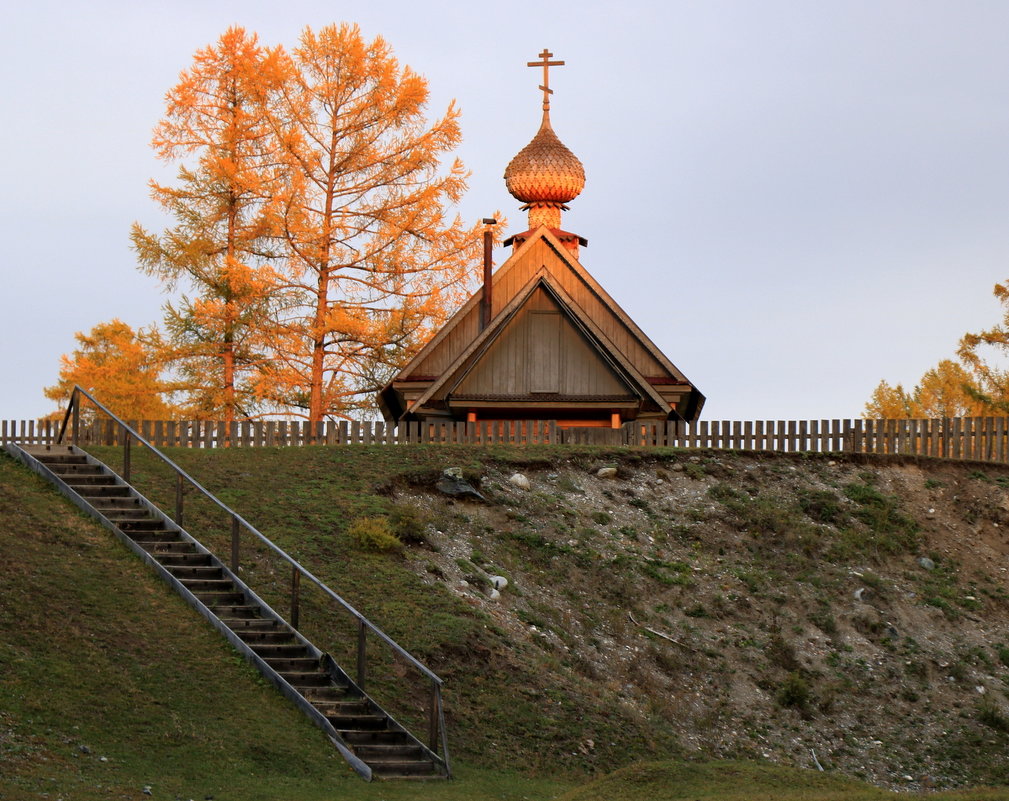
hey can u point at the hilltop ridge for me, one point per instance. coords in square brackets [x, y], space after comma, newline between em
[697, 605]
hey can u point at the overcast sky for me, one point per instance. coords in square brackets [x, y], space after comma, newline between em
[793, 199]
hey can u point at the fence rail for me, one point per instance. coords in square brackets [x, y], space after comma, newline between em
[970, 438]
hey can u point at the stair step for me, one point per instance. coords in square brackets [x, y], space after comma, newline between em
[326, 694]
[401, 768]
[49, 459]
[358, 737]
[165, 550]
[91, 481]
[381, 752]
[299, 665]
[199, 586]
[103, 504]
[225, 611]
[244, 625]
[292, 649]
[359, 722]
[118, 514]
[189, 573]
[195, 559]
[257, 639]
[230, 600]
[76, 470]
[142, 524]
[92, 491]
[335, 706]
[152, 537]
[349, 707]
[299, 679]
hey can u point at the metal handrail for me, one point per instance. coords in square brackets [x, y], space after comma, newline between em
[437, 712]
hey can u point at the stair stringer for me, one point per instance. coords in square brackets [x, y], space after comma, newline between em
[271, 675]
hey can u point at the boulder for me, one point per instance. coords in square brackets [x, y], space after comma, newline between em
[452, 483]
[519, 481]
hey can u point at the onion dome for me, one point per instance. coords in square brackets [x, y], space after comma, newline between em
[545, 171]
[545, 174]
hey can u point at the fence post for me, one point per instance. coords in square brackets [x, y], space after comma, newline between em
[362, 654]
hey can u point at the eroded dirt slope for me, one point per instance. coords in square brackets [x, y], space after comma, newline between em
[804, 610]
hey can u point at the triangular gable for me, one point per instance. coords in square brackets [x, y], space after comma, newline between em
[541, 353]
[467, 317]
[626, 371]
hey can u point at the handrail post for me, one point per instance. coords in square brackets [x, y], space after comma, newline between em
[362, 654]
[295, 599]
[178, 499]
[432, 722]
[126, 456]
[75, 401]
[234, 543]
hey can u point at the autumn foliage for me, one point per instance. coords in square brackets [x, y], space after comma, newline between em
[311, 254]
[115, 365]
[975, 386]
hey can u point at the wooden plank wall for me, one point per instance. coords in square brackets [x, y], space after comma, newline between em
[984, 439]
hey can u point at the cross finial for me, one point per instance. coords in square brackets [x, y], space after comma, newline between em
[546, 63]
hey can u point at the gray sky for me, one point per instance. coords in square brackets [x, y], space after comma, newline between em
[793, 199]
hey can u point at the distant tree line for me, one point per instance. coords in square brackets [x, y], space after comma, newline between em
[974, 385]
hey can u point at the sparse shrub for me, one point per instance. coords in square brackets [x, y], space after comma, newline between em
[693, 470]
[697, 610]
[933, 483]
[477, 557]
[781, 654]
[795, 692]
[374, 534]
[565, 484]
[724, 493]
[601, 517]
[1003, 655]
[824, 621]
[410, 525]
[891, 531]
[821, 506]
[990, 714]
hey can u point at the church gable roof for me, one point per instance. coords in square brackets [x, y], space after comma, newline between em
[543, 251]
[605, 362]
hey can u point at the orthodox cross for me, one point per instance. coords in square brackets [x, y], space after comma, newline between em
[546, 63]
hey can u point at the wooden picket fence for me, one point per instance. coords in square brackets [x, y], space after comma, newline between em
[983, 439]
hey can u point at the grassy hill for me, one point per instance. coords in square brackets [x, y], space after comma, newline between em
[697, 606]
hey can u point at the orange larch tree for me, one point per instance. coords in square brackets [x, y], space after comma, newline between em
[225, 206]
[121, 369]
[947, 390]
[983, 352]
[373, 263]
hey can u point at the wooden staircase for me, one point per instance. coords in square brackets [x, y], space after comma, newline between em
[368, 737]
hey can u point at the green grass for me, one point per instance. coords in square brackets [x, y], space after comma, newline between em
[741, 781]
[95, 652]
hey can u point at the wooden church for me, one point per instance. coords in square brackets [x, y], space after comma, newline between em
[541, 339]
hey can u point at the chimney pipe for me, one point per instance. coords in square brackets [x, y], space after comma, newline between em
[487, 297]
